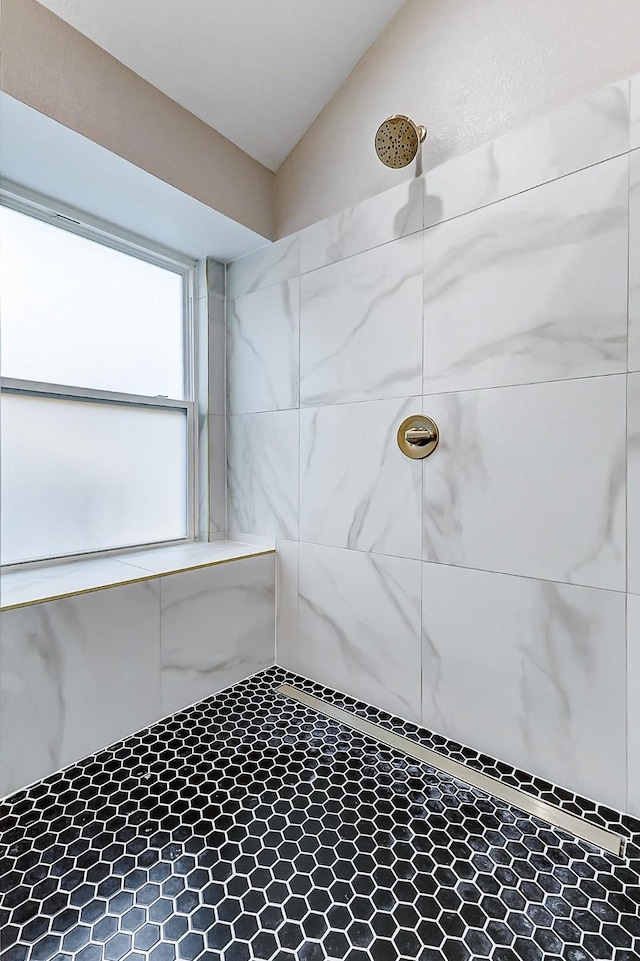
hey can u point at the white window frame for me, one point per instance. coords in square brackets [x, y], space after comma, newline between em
[68, 218]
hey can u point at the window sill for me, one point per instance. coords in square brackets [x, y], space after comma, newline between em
[35, 586]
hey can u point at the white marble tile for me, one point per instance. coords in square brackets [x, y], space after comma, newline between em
[633, 483]
[183, 557]
[634, 260]
[633, 702]
[262, 477]
[58, 580]
[530, 480]
[77, 674]
[265, 541]
[217, 356]
[203, 473]
[357, 489]
[217, 626]
[215, 279]
[287, 604]
[263, 343]
[268, 265]
[359, 623]
[533, 288]
[361, 326]
[634, 113]
[201, 290]
[217, 474]
[378, 220]
[570, 138]
[202, 359]
[531, 672]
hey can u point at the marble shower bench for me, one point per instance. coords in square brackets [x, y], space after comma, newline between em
[95, 650]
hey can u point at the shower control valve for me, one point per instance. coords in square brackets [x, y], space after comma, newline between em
[418, 436]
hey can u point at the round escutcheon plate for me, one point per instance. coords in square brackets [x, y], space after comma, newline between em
[418, 436]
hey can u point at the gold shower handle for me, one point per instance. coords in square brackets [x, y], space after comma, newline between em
[418, 436]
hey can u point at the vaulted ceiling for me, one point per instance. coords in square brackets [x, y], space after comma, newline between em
[258, 71]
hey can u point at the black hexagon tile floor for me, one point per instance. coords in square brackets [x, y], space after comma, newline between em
[250, 826]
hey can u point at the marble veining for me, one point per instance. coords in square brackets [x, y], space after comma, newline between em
[633, 482]
[64, 690]
[575, 136]
[515, 486]
[34, 584]
[532, 288]
[530, 669]
[356, 488]
[634, 260]
[216, 627]
[262, 478]
[518, 348]
[361, 326]
[268, 265]
[388, 216]
[263, 349]
[359, 623]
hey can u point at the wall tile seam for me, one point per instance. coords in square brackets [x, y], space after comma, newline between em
[428, 393]
[147, 577]
[292, 240]
[629, 795]
[426, 226]
[463, 567]
[626, 403]
[112, 745]
[534, 186]
[225, 453]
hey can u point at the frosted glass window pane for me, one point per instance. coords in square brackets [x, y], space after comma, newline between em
[77, 312]
[81, 476]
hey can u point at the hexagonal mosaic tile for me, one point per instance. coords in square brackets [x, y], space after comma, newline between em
[250, 826]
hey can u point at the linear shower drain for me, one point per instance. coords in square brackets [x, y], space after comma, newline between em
[553, 815]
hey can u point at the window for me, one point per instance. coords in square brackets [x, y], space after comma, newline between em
[98, 437]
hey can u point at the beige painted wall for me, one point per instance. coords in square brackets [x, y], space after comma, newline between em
[471, 70]
[48, 65]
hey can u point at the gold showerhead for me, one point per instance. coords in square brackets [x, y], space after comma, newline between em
[398, 139]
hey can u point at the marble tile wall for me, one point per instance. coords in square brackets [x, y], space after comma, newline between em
[634, 259]
[490, 590]
[212, 305]
[84, 671]
[217, 626]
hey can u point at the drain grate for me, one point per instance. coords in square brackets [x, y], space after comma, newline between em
[553, 815]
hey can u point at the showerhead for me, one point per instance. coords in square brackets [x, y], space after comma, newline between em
[397, 140]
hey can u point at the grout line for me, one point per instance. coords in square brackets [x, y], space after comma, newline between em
[465, 567]
[421, 512]
[428, 226]
[422, 394]
[144, 575]
[626, 482]
[581, 828]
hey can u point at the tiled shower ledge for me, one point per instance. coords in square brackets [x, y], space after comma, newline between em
[251, 826]
[36, 585]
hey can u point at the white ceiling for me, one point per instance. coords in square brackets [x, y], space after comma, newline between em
[258, 71]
